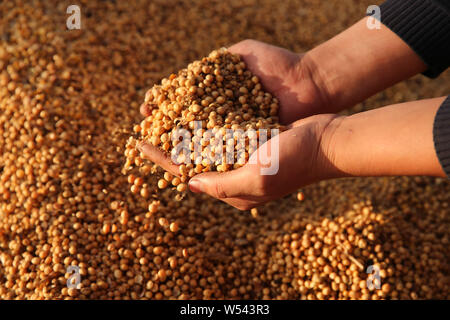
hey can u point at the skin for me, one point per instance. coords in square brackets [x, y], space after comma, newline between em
[389, 141]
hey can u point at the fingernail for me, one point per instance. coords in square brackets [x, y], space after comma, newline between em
[195, 186]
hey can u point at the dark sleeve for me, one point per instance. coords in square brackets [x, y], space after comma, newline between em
[425, 26]
[441, 135]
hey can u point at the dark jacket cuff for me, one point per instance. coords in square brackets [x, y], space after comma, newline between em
[441, 135]
[425, 26]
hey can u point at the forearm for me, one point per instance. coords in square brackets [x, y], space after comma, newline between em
[360, 62]
[390, 141]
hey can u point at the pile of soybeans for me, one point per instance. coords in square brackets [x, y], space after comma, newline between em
[68, 101]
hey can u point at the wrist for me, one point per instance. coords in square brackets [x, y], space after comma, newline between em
[360, 62]
[330, 148]
[309, 71]
[328, 72]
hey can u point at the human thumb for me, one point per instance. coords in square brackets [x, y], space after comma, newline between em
[220, 185]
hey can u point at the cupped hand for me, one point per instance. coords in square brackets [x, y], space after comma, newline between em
[304, 157]
[289, 76]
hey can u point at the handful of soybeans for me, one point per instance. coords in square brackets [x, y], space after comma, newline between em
[208, 117]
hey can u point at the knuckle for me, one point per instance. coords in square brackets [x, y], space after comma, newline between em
[220, 191]
[248, 42]
[262, 186]
[143, 109]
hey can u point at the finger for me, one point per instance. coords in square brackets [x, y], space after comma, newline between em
[157, 156]
[243, 203]
[300, 122]
[244, 47]
[293, 125]
[223, 185]
[325, 118]
[145, 110]
[248, 50]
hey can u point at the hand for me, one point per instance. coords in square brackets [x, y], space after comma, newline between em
[287, 75]
[303, 159]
